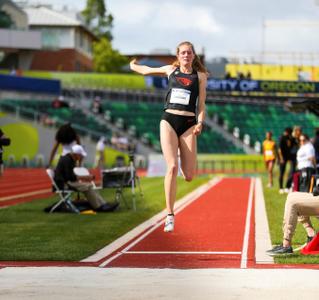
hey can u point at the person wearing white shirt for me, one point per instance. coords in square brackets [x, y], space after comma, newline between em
[100, 147]
[305, 154]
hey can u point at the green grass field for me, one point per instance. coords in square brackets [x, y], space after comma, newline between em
[27, 233]
[92, 80]
[89, 80]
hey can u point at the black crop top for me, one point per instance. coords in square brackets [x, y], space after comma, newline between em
[183, 91]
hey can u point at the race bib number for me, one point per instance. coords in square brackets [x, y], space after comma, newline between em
[269, 153]
[180, 96]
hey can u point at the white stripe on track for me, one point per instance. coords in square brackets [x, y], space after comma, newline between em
[184, 252]
[243, 264]
[262, 235]
[17, 196]
[158, 220]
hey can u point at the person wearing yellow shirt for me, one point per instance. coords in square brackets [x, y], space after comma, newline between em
[270, 154]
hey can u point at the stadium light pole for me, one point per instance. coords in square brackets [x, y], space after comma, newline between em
[263, 40]
[263, 45]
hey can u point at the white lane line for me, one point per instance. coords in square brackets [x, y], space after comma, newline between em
[159, 219]
[262, 235]
[185, 252]
[243, 264]
[111, 248]
[25, 195]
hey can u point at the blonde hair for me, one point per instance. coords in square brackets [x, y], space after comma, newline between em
[197, 64]
[295, 130]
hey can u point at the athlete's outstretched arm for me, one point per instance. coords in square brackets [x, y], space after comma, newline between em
[145, 70]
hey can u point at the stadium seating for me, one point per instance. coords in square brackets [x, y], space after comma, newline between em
[145, 117]
[142, 120]
[255, 120]
[83, 123]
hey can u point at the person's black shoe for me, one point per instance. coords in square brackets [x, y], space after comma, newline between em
[108, 207]
[274, 249]
[280, 250]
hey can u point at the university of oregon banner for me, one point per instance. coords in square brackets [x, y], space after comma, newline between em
[264, 86]
[250, 86]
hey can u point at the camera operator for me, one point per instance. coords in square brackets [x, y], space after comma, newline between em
[4, 141]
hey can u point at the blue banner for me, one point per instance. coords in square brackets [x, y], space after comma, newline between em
[234, 85]
[263, 86]
[28, 84]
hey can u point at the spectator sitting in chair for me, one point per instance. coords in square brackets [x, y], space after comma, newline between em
[65, 177]
[297, 204]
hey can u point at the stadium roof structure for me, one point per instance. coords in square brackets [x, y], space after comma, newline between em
[17, 37]
[44, 16]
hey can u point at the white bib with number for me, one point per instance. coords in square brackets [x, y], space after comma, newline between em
[269, 152]
[180, 96]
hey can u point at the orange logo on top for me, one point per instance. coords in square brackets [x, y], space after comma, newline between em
[184, 81]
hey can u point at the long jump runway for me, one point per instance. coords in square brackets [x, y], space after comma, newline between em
[214, 253]
[212, 231]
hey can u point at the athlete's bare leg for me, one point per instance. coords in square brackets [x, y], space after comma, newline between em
[270, 167]
[169, 143]
[188, 154]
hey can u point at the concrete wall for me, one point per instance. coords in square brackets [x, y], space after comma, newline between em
[20, 39]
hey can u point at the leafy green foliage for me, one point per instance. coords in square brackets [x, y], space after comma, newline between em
[5, 20]
[97, 18]
[105, 58]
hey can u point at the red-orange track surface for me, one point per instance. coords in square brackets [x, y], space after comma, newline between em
[24, 185]
[208, 233]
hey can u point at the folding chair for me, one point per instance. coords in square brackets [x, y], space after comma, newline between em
[82, 171]
[65, 195]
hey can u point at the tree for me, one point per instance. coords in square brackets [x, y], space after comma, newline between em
[5, 20]
[105, 58]
[97, 18]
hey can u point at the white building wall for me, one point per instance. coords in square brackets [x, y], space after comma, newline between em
[83, 43]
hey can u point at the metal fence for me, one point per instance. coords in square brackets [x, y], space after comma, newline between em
[230, 166]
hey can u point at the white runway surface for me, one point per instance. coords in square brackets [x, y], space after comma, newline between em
[117, 283]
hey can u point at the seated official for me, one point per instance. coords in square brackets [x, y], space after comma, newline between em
[297, 204]
[65, 179]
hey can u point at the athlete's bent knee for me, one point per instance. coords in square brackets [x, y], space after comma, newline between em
[172, 170]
